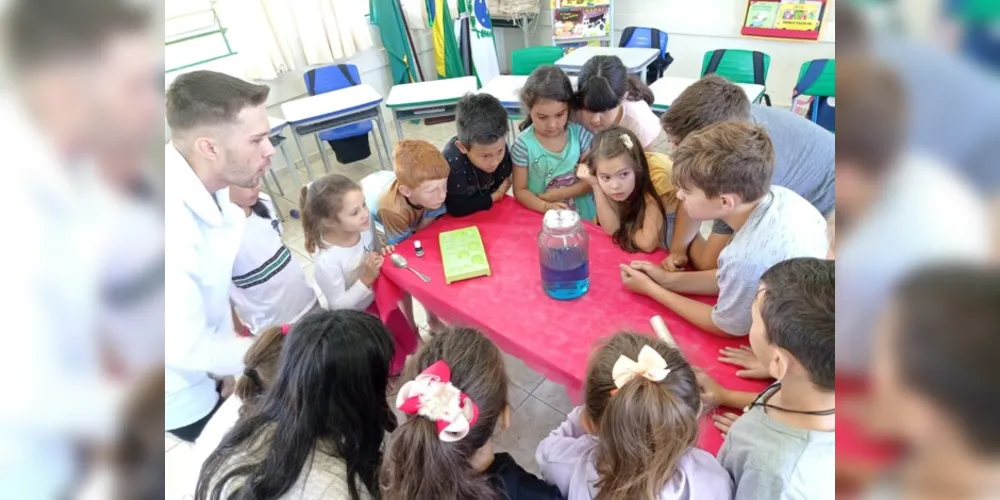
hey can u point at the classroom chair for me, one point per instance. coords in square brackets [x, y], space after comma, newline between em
[818, 78]
[524, 61]
[738, 66]
[648, 38]
[350, 142]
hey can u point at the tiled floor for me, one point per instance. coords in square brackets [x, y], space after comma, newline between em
[538, 405]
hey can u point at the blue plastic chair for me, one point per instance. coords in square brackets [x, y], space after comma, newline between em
[648, 38]
[328, 79]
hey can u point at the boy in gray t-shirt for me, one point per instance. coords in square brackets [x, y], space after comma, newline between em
[783, 445]
[803, 155]
[724, 172]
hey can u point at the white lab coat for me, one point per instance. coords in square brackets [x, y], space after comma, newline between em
[202, 238]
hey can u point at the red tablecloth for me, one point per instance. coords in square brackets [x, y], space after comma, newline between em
[552, 337]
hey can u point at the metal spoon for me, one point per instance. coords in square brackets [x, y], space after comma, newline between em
[400, 261]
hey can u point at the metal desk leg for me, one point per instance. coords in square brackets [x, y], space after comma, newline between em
[378, 148]
[385, 138]
[302, 153]
[290, 164]
[322, 154]
[277, 183]
[399, 126]
[274, 199]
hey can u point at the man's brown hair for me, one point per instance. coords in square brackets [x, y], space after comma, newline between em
[203, 97]
[708, 101]
[416, 162]
[728, 157]
[871, 116]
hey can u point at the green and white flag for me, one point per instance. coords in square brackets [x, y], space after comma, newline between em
[480, 47]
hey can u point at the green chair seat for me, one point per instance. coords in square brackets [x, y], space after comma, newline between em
[524, 61]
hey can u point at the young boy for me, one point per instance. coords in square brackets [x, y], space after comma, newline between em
[478, 156]
[803, 151]
[410, 200]
[724, 172]
[783, 445]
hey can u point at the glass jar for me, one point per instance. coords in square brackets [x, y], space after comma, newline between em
[564, 255]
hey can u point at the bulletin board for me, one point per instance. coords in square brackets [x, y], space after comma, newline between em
[791, 19]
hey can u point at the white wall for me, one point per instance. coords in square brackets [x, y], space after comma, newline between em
[696, 27]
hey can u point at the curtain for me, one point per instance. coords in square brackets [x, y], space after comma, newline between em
[273, 37]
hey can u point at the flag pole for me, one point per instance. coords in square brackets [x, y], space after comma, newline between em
[409, 37]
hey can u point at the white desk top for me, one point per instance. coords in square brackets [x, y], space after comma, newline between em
[635, 59]
[430, 92]
[356, 98]
[667, 88]
[506, 88]
[276, 123]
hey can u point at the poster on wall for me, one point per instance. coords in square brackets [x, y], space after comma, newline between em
[793, 19]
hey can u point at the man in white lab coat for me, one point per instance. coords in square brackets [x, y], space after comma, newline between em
[219, 132]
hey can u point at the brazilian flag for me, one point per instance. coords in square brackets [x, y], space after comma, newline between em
[446, 54]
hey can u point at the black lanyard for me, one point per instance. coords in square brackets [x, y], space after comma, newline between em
[762, 398]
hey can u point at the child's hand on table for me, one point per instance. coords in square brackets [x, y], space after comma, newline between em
[373, 267]
[583, 173]
[637, 281]
[656, 273]
[675, 262]
[712, 394]
[556, 206]
[501, 191]
[744, 357]
[388, 250]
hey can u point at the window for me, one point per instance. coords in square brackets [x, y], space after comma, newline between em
[193, 34]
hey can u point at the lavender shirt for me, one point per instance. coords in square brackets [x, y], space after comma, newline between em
[566, 460]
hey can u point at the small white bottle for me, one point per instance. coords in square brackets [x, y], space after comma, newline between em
[418, 248]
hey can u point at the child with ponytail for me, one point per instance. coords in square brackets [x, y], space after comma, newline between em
[607, 95]
[455, 399]
[635, 434]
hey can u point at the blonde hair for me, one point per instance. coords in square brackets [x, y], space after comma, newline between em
[416, 162]
[645, 427]
[322, 199]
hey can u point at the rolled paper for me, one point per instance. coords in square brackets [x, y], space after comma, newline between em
[660, 328]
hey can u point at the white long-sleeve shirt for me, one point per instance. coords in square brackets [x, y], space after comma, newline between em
[203, 233]
[338, 274]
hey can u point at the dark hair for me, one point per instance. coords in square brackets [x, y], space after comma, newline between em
[205, 98]
[480, 119]
[609, 144]
[418, 465]
[322, 199]
[710, 100]
[546, 82]
[138, 453]
[728, 157]
[40, 32]
[947, 343]
[797, 307]
[604, 82]
[644, 427]
[329, 395]
[871, 113]
[260, 366]
[260, 208]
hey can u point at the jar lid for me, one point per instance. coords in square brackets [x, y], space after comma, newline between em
[561, 219]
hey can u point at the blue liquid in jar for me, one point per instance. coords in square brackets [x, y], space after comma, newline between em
[565, 273]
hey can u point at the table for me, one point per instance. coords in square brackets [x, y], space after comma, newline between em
[666, 89]
[428, 99]
[552, 337]
[635, 59]
[313, 114]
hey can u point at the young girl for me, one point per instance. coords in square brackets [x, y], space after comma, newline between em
[268, 287]
[337, 226]
[546, 153]
[628, 207]
[608, 95]
[261, 366]
[455, 400]
[634, 436]
[317, 432]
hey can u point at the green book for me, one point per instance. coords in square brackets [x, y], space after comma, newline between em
[463, 254]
